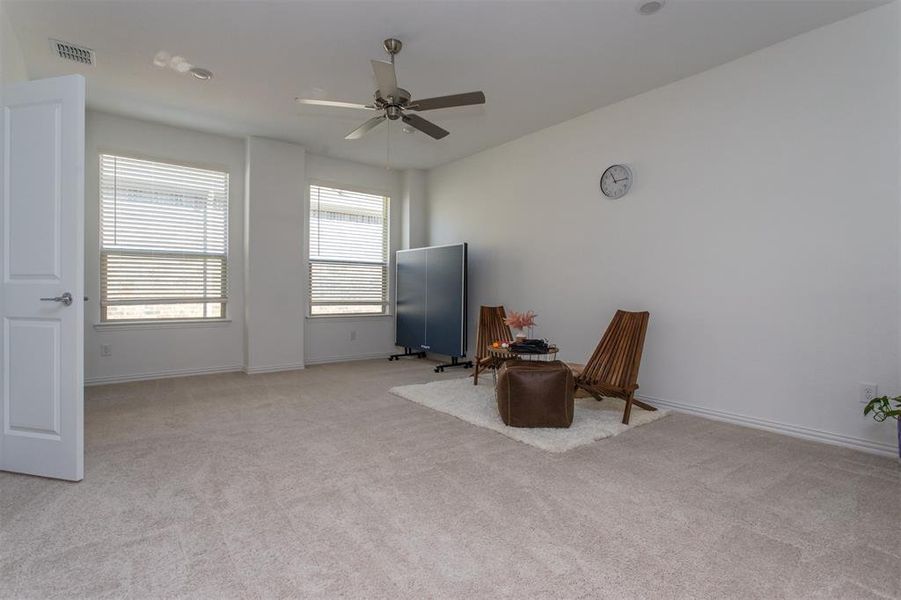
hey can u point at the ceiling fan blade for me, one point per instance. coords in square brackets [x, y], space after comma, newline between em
[448, 101]
[385, 77]
[333, 103]
[427, 127]
[365, 128]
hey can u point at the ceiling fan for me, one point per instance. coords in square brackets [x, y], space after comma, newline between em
[391, 101]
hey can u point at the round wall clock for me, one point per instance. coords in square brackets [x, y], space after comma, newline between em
[616, 181]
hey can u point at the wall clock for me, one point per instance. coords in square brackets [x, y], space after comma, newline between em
[616, 181]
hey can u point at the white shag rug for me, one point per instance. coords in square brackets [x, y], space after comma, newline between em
[476, 404]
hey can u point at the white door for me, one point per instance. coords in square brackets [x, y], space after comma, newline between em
[42, 278]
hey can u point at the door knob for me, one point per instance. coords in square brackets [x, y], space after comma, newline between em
[66, 299]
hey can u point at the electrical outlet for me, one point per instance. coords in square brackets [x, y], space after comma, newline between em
[106, 350]
[868, 391]
[353, 335]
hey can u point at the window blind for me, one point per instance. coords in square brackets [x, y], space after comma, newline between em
[164, 240]
[348, 252]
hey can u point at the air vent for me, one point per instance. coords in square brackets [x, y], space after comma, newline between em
[69, 51]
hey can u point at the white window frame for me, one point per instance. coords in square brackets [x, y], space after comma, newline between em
[389, 256]
[153, 323]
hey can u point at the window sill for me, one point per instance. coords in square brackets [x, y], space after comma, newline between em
[348, 317]
[170, 324]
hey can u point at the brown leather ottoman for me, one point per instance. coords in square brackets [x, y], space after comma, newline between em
[535, 394]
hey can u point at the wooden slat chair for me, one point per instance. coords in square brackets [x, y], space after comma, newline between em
[613, 368]
[491, 329]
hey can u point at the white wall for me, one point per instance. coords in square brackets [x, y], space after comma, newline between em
[269, 204]
[275, 275]
[12, 63]
[156, 350]
[762, 231]
[414, 203]
[330, 339]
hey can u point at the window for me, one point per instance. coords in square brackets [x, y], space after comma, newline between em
[348, 252]
[163, 241]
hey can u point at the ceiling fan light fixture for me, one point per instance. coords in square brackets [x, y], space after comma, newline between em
[650, 7]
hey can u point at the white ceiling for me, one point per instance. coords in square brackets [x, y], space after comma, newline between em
[539, 63]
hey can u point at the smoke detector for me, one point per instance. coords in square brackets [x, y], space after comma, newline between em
[650, 7]
[201, 73]
[72, 52]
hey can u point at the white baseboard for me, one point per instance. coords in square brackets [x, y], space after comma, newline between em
[798, 431]
[273, 368]
[347, 358]
[168, 374]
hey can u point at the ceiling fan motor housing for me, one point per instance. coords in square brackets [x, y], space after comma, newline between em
[400, 100]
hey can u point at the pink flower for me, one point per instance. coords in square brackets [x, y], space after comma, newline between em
[521, 320]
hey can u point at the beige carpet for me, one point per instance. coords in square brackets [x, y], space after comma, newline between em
[476, 404]
[322, 484]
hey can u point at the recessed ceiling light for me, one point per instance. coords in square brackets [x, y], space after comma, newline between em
[201, 73]
[650, 7]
